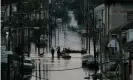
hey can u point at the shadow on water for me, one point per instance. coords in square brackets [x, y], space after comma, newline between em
[58, 62]
[66, 63]
[58, 58]
[52, 60]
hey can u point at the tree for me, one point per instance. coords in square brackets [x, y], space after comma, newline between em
[30, 6]
[77, 6]
[6, 2]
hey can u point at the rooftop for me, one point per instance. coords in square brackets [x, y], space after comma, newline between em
[127, 25]
[114, 1]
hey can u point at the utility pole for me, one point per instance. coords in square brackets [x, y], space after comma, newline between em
[40, 27]
[9, 38]
[87, 26]
[34, 30]
[10, 15]
[50, 25]
[94, 41]
[83, 23]
[22, 43]
[55, 28]
[101, 36]
[28, 42]
[44, 25]
[89, 42]
[65, 36]
[58, 37]
[121, 57]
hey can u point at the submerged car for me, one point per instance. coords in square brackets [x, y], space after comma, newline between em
[85, 58]
[89, 62]
[66, 56]
[92, 63]
[29, 66]
[30, 61]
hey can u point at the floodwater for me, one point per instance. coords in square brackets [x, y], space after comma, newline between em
[60, 69]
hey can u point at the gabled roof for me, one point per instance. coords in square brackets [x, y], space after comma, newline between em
[127, 25]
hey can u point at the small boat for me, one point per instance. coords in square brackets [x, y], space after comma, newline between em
[41, 54]
[66, 56]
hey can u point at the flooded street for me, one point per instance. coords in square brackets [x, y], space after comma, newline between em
[67, 40]
[60, 69]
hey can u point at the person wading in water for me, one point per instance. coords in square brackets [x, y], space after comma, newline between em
[52, 52]
[58, 52]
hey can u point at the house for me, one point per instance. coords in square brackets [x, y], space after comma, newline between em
[127, 43]
[118, 22]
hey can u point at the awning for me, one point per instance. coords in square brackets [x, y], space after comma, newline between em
[127, 25]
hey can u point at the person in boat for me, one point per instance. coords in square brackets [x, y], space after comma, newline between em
[52, 52]
[63, 52]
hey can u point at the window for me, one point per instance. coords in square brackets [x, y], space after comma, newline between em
[129, 15]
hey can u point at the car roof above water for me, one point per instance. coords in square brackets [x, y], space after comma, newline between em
[87, 56]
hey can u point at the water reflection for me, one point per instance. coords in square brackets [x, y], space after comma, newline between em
[57, 69]
[85, 70]
[58, 62]
[66, 63]
[52, 64]
[52, 60]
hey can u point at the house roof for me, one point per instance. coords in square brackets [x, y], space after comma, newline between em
[127, 25]
[115, 1]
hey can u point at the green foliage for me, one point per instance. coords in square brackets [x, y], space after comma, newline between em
[77, 7]
[77, 4]
[3, 2]
[30, 6]
[59, 10]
